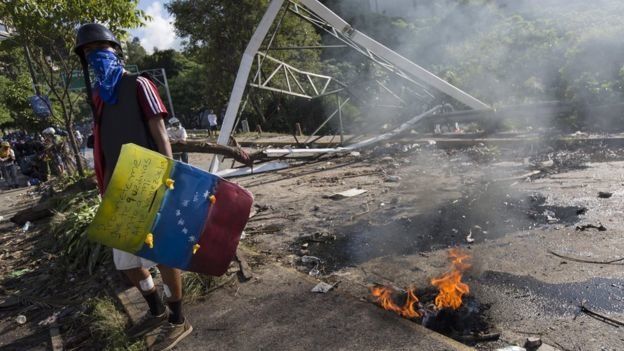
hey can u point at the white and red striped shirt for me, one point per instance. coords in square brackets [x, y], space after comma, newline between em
[148, 96]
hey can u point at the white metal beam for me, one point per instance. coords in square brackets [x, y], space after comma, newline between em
[391, 56]
[243, 75]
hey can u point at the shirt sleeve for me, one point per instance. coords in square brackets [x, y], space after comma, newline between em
[149, 99]
[183, 136]
[98, 103]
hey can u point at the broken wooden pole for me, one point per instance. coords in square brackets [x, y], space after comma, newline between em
[199, 146]
[298, 131]
[259, 129]
[40, 211]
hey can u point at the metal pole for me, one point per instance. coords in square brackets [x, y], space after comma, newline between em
[325, 122]
[243, 75]
[168, 93]
[340, 119]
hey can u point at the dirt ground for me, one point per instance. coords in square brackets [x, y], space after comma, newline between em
[516, 211]
[420, 201]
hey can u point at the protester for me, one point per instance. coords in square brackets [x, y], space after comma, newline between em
[8, 165]
[54, 148]
[203, 119]
[222, 116]
[212, 120]
[79, 141]
[177, 135]
[128, 109]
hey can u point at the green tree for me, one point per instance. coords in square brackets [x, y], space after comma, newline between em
[15, 89]
[172, 61]
[217, 33]
[135, 52]
[188, 92]
[48, 28]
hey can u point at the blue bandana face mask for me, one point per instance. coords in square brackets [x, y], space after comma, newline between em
[108, 70]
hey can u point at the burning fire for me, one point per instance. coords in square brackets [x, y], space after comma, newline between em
[450, 289]
[384, 297]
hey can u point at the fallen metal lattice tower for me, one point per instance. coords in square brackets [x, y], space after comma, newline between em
[424, 84]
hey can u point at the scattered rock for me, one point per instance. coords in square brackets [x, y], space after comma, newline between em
[310, 259]
[322, 288]
[532, 342]
[21, 319]
[393, 179]
[349, 193]
[604, 194]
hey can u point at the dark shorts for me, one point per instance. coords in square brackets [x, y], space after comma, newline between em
[213, 128]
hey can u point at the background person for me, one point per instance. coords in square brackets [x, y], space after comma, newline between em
[53, 150]
[177, 135]
[7, 163]
[212, 120]
[203, 120]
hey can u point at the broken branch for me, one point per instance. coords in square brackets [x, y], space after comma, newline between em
[614, 322]
[584, 261]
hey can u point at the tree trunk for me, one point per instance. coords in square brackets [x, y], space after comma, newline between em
[74, 147]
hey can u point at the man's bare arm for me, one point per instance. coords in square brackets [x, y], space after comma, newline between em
[159, 134]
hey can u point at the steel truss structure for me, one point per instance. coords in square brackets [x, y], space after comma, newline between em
[298, 82]
[287, 79]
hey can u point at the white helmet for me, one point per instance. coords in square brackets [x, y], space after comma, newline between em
[174, 120]
[49, 131]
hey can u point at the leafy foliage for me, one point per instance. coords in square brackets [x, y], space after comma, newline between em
[134, 51]
[47, 29]
[76, 211]
[107, 326]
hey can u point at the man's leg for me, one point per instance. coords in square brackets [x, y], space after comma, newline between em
[134, 268]
[5, 175]
[178, 327]
[172, 280]
[142, 280]
[13, 171]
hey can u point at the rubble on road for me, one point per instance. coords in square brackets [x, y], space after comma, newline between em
[323, 287]
[587, 226]
[532, 343]
[345, 194]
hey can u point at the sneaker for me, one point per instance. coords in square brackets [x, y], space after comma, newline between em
[147, 323]
[168, 336]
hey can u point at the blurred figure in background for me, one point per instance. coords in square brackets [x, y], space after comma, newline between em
[177, 135]
[8, 165]
[212, 120]
[53, 151]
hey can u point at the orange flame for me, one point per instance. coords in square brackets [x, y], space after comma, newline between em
[450, 287]
[384, 298]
